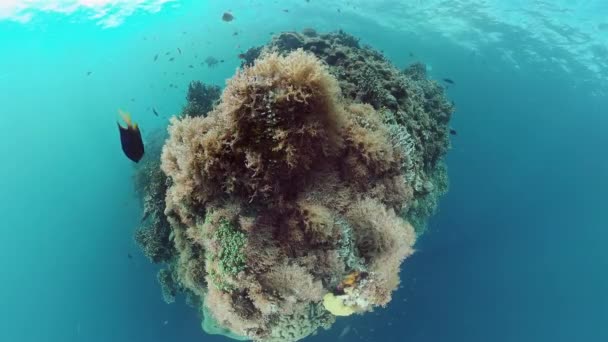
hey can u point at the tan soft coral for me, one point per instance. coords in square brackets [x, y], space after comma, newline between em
[319, 223]
[367, 139]
[191, 158]
[277, 121]
[285, 122]
[384, 240]
[294, 283]
[370, 162]
[234, 312]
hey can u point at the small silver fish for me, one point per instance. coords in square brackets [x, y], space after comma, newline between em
[344, 332]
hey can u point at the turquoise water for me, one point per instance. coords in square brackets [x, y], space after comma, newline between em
[515, 253]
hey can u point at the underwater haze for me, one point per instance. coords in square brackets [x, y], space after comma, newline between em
[515, 252]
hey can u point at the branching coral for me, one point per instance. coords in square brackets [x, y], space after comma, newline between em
[287, 202]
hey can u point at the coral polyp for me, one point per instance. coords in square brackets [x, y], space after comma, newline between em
[297, 197]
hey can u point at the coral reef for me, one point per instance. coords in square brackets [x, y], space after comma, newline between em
[297, 197]
[168, 285]
[151, 186]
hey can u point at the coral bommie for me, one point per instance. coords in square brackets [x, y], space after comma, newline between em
[283, 191]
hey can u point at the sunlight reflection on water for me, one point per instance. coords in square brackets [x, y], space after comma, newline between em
[107, 13]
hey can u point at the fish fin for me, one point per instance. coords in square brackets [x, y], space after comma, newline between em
[126, 117]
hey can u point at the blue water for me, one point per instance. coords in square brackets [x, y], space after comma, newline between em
[516, 252]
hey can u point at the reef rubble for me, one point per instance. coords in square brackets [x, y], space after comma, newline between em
[295, 195]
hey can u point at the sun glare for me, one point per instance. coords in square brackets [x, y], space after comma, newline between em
[107, 13]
